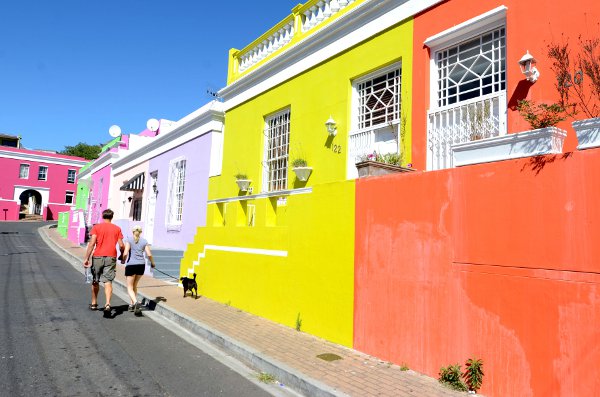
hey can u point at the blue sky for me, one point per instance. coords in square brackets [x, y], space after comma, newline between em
[69, 69]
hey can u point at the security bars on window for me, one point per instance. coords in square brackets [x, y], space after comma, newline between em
[176, 190]
[472, 69]
[470, 95]
[278, 135]
[379, 100]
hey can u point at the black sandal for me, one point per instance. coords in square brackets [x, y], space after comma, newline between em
[107, 309]
[93, 306]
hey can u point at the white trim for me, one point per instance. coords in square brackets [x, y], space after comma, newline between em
[279, 193]
[244, 250]
[28, 169]
[209, 118]
[45, 173]
[366, 20]
[354, 113]
[101, 162]
[471, 27]
[40, 158]
[266, 177]
[31, 187]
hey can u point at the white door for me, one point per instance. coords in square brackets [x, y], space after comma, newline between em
[150, 211]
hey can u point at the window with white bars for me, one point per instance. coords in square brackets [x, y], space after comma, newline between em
[379, 99]
[43, 173]
[176, 191]
[24, 171]
[472, 69]
[71, 176]
[277, 132]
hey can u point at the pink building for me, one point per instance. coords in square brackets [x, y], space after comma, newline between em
[36, 184]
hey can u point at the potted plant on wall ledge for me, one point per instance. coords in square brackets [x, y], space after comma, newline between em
[242, 181]
[543, 138]
[301, 169]
[375, 164]
[578, 84]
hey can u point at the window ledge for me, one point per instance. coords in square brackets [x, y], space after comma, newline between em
[461, 31]
[278, 193]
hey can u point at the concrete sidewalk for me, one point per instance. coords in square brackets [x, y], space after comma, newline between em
[290, 356]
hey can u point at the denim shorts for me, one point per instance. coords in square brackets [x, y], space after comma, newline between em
[104, 268]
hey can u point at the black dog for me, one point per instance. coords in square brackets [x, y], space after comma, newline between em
[189, 284]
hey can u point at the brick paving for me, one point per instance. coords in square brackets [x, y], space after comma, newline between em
[356, 374]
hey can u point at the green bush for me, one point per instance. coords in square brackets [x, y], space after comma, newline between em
[450, 376]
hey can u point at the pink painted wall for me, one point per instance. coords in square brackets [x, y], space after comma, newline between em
[500, 261]
[99, 193]
[76, 229]
[56, 177]
[12, 210]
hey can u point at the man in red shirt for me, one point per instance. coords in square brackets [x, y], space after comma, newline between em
[103, 242]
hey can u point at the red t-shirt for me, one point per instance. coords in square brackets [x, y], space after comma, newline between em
[107, 237]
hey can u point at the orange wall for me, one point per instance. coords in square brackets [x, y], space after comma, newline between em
[499, 261]
[530, 26]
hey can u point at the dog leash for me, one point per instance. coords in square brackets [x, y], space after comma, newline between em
[160, 271]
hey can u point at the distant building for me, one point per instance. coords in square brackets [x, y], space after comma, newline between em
[10, 140]
[35, 184]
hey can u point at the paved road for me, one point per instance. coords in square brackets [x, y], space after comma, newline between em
[51, 344]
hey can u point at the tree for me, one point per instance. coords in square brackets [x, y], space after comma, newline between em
[89, 152]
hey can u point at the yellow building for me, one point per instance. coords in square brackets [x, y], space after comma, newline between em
[328, 84]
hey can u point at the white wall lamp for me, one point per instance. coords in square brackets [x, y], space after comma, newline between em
[331, 126]
[527, 64]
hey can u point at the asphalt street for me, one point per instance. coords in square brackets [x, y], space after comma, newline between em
[51, 344]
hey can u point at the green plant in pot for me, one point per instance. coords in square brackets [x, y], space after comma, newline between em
[242, 181]
[301, 169]
[541, 115]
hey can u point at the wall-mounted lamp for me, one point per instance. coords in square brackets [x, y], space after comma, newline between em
[331, 126]
[130, 198]
[527, 64]
[155, 188]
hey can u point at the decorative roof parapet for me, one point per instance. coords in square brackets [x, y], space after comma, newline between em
[304, 20]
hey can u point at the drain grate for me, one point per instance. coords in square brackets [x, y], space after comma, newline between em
[329, 357]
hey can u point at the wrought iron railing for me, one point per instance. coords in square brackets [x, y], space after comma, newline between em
[471, 120]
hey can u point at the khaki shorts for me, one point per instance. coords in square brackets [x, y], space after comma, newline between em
[104, 268]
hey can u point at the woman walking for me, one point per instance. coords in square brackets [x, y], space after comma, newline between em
[136, 265]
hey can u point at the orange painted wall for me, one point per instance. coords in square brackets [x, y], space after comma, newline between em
[530, 26]
[499, 261]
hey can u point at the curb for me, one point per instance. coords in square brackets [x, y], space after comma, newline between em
[290, 377]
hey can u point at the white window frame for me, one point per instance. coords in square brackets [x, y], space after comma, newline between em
[355, 124]
[175, 193]
[72, 194]
[454, 36]
[21, 168]
[45, 178]
[276, 184]
[74, 176]
[383, 137]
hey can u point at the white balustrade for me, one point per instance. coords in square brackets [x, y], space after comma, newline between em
[322, 11]
[266, 47]
[475, 119]
[315, 15]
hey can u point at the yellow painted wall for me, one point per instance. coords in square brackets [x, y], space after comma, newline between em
[316, 230]
[312, 97]
[316, 279]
